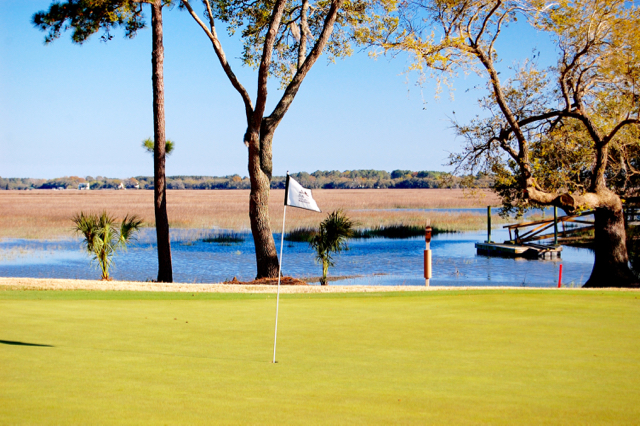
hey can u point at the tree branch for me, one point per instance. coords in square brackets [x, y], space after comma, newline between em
[505, 147]
[217, 47]
[486, 20]
[523, 157]
[292, 88]
[618, 127]
[498, 29]
[304, 30]
[593, 133]
[265, 63]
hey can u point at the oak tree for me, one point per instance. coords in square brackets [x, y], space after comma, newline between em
[559, 136]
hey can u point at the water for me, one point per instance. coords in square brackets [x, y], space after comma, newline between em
[378, 261]
[477, 210]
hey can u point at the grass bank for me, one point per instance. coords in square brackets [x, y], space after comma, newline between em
[461, 357]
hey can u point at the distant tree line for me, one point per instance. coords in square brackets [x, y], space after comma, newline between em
[67, 182]
[349, 179]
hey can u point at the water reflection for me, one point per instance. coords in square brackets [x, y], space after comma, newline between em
[375, 261]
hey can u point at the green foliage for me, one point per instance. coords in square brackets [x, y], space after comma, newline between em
[349, 179]
[102, 238]
[397, 174]
[148, 146]
[353, 179]
[87, 17]
[331, 238]
[357, 22]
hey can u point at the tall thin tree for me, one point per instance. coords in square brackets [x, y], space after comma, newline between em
[85, 18]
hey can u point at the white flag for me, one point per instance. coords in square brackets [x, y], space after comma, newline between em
[297, 196]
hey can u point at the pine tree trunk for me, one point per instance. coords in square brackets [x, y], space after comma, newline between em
[260, 175]
[165, 272]
[611, 265]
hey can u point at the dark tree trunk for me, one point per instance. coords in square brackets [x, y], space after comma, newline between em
[260, 174]
[260, 129]
[165, 272]
[611, 265]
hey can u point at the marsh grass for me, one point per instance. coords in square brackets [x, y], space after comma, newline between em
[301, 235]
[15, 253]
[20, 252]
[304, 235]
[42, 214]
[392, 231]
[224, 238]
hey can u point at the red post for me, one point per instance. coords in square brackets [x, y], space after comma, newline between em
[560, 277]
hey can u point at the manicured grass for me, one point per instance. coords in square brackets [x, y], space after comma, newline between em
[459, 357]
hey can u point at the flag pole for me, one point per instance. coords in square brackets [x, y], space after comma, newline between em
[284, 216]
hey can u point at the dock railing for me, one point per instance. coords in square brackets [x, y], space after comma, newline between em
[631, 210]
[534, 231]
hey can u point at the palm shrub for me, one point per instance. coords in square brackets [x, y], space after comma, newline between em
[148, 146]
[331, 238]
[103, 238]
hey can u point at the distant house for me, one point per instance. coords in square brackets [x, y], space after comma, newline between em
[121, 186]
[84, 185]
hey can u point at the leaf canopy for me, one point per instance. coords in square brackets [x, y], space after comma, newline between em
[86, 17]
[357, 23]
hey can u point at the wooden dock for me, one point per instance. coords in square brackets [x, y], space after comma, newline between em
[527, 250]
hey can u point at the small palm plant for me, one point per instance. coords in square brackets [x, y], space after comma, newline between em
[331, 238]
[147, 145]
[102, 238]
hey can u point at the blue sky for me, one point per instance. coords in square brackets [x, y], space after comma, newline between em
[69, 109]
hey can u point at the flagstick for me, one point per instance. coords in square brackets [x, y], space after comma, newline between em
[275, 337]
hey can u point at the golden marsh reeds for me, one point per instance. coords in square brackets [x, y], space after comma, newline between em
[47, 214]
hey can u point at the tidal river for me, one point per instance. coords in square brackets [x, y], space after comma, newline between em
[377, 261]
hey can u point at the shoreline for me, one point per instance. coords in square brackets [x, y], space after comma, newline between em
[19, 283]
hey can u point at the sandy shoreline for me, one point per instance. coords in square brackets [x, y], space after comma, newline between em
[68, 284]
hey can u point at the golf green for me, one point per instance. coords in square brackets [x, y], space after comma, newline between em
[467, 357]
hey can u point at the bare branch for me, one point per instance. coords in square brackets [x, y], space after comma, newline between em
[265, 63]
[292, 88]
[486, 21]
[304, 31]
[217, 47]
[618, 127]
[498, 30]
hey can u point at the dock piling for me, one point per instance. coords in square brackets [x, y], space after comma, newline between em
[489, 224]
[555, 225]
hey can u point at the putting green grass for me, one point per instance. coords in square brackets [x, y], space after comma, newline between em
[467, 357]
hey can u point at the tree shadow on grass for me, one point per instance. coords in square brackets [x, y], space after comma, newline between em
[11, 342]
